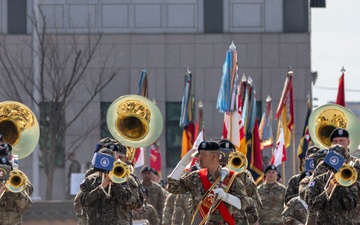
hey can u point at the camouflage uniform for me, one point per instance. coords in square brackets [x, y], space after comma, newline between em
[148, 212]
[333, 211]
[168, 209]
[80, 211]
[14, 205]
[192, 183]
[295, 212]
[304, 185]
[182, 210]
[251, 214]
[292, 189]
[272, 197]
[355, 213]
[156, 197]
[108, 210]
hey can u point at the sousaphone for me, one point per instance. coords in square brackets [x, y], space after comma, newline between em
[19, 128]
[134, 121]
[326, 118]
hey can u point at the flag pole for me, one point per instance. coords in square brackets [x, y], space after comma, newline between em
[283, 170]
[293, 144]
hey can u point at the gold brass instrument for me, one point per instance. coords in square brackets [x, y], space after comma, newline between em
[237, 162]
[134, 121]
[120, 172]
[346, 176]
[19, 128]
[16, 182]
[326, 118]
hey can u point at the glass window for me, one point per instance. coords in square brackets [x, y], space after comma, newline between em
[52, 121]
[104, 131]
[17, 16]
[173, 133]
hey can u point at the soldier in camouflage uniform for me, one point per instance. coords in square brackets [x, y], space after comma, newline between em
[156, 192]
[295, 211]
[292, 189]
[108, 208]
[168, 210]
[272, 196]
[182, 210]
[233, 199]
[119, 154]
[12, 205]
[251, 214]
[304, 183]
[318, 199]
[146, 211]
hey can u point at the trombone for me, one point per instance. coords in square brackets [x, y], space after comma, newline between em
[237, 162]
[119, 174]
[16, 182]
[346, 176]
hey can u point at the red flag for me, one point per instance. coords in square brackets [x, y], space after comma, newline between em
[155, 157]
[285, 110]
[340, 99]
[279, 154]
[256, 155]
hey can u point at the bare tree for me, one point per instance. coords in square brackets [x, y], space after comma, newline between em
[65, 66]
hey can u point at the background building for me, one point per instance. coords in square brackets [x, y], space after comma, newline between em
[166, 37]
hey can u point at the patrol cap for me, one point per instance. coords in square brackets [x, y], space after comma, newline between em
[311, 150]
[154, 171]
[226, 144]
[116, 147]
[338, 149]
[104, 141]
[303, 175]
[146, 169]
[270, 167]
[208, 146]
[339, 132]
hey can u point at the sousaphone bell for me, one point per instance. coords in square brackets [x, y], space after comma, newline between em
[19, 128]
[326, 118]
[134, 121]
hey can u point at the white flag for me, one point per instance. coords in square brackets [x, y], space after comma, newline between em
[139, 157]
[198, 140]
[279, 154]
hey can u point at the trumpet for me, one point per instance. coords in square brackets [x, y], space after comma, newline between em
[346, 176]
[119, 174]
[16, 182]
[237, 162]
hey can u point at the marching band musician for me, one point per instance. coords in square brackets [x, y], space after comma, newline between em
[332, 208]
[104, 206]
[292, 189]
[251, 214]
[203, 186]
[318, 156]
[119, 152]
[295, 211]
[12, 205]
